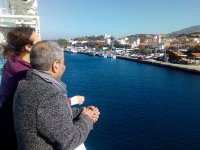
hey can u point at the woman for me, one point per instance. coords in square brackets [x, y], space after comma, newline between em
[17, 52]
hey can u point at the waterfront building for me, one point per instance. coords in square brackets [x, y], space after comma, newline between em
[194, 58]
[177, 56]
[195, 55]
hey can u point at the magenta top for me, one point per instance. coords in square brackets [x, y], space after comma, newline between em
[14, 70]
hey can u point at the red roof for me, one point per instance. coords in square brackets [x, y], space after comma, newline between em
[195, 54]
[177, 53]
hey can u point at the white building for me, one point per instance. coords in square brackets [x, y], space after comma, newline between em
[159, 39]
[73, 42]
[109, 41]
[123, 41]
[162, 46]
[136, 43]
[196, 40]
[107, 36]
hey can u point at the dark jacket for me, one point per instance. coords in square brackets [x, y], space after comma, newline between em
[43, 118]
[13, 71]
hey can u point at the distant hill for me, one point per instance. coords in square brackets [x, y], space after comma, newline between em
[192, 29]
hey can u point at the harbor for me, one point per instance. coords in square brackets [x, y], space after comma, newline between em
[181, 67]
[154, 49]
[123, 58]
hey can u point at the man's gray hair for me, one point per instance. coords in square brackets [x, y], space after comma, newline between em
[44, 54]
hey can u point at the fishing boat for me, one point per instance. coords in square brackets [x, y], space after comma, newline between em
[114, 56]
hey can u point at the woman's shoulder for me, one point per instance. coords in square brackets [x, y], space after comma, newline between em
[14, 67]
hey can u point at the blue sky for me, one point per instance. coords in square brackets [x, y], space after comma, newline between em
[72, 18]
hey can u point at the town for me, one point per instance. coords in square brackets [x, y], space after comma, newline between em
[177, 49]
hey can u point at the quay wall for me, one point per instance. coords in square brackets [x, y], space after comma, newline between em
[187, 68]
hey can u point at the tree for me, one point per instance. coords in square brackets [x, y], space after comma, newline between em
[143, 49]
[118, 45]
[63, 43]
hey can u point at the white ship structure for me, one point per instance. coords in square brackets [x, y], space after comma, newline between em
[15, 13]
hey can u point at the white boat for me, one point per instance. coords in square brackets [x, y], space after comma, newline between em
[100, 54]
[105, 55]
[109, 55]
[114, 56]
[73, 51]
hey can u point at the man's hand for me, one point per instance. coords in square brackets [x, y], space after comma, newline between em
[92, 112]
[96, 114]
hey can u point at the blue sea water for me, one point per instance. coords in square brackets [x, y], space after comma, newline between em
[142, 106]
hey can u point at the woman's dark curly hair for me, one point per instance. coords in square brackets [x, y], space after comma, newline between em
[17, 38]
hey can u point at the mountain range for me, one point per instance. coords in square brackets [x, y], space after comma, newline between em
[189, 30]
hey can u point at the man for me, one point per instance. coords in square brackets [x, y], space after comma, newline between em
[43, 118]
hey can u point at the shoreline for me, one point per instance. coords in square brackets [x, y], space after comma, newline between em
[185, 68]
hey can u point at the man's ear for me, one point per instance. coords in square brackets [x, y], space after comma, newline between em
[28, 47]
[55, 67]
